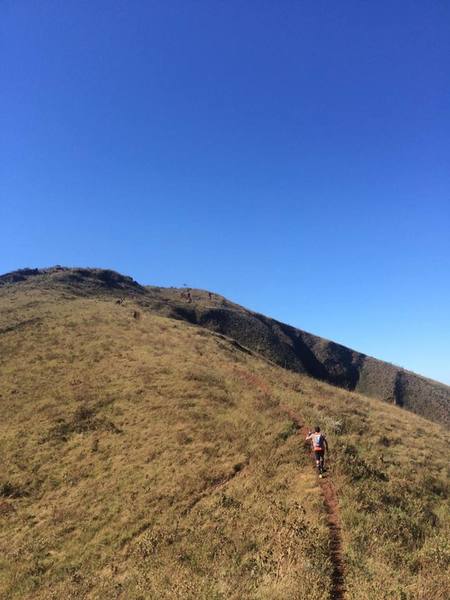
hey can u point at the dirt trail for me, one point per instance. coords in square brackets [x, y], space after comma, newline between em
[328, 492]
[334, 525]
[216, 485]
[333, 520]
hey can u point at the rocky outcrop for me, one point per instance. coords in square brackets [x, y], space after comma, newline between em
[81, 281]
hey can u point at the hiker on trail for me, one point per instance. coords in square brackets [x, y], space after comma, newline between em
[319, 445]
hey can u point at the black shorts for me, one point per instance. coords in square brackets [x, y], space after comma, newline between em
[318, 454]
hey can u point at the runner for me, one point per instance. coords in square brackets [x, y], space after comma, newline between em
[319, 445]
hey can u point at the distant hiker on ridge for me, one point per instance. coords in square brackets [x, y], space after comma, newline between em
[319, 445]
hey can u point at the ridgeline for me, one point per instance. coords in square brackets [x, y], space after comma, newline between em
[284, 345]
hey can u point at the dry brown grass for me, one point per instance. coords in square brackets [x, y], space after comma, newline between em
[139, 459]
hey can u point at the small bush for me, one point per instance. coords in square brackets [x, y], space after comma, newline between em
[12, 490]
[291, 428]
[84, 420]
[355, 467]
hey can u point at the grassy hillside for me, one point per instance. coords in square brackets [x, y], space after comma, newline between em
[303, 352]
[144, 457]
[282, 344]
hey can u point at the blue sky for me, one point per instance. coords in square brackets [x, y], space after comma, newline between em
[291, 155]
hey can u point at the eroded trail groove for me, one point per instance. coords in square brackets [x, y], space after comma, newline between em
[334, 525]
[333, 521]
[337, 591]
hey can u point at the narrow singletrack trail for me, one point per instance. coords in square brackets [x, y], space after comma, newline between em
[333, 521]
[328, 492]
[334, 526]
[330, 500]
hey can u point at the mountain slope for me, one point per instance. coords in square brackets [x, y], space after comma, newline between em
[143, 457]
[287, 346]
[303, 352]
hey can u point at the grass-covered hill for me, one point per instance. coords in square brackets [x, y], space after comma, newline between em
[303, 352]
[143, 456]
[282, 344]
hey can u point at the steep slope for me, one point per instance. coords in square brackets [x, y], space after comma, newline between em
[287, 346]
[143, 457]
[325, 360]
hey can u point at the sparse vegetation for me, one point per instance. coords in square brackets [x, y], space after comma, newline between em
[148, 458]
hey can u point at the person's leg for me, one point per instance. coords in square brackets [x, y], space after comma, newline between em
[322, 467]
[317, 456]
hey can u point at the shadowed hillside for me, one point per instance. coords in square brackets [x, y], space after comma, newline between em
[144, 457]
[286, 346]
[322, 359]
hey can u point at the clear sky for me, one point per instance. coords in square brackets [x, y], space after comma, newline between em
[291, 155]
